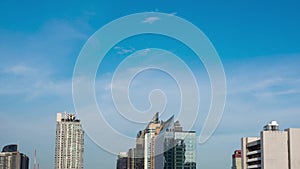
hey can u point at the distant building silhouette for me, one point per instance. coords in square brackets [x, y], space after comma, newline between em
[11, 158]
[69, 142]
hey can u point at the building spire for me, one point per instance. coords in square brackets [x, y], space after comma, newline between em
[34, 165]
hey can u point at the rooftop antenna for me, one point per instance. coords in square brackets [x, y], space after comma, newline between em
[34, 165]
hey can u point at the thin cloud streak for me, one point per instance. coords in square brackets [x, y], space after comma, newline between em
[122, 50]
[151, 19]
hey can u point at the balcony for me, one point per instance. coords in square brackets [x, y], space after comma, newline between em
[254, 143]
[253, 152]
[254, 166]
[253, 159]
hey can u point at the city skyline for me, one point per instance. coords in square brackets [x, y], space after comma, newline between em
[258, 44]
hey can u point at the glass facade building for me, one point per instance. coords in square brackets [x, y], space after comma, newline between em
[163, 145]
[175, 148]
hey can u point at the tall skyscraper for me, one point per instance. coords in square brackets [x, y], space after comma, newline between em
[11, 158]
[273, 149]
[69, 142]
[149, 135]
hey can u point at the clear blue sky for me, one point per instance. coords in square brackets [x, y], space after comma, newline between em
[258, 42]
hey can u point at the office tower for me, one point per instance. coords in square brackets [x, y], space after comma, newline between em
[139, 150]
[175, 148]
[11, 158]
[273, 149]
[142, 158]
[122, 160]
[185, 149]
[148, 142]
[131, 158]
[163, 145]
[69, 142]
[237, 159]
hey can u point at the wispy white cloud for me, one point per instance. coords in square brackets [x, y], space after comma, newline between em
[151, 19]
[144, 52]
[19, 69]
[267, 83]
[36, 64]
[122, 50]
[275, 87]
[254, 77]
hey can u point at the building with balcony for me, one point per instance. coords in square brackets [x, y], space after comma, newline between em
[69, 142]
[273, 149]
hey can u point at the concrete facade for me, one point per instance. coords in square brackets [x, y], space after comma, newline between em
[250, 151]
[274, 149]
[237, 160]
[69, 146]
[294, 147]
[11, 158]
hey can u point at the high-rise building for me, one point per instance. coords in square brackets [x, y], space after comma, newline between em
[11, 158]
[237, 160]
[122, 160]
[131, 158]
[175, 148]
[163, 145]
[149, 135]
[273, 149]
[69, 142]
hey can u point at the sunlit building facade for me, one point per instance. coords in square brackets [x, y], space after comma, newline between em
[163, 145]
[11, 158]
[69, 142]
[237, 160]
[273, 149]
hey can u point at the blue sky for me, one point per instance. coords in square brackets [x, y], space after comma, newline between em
[257, 41]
